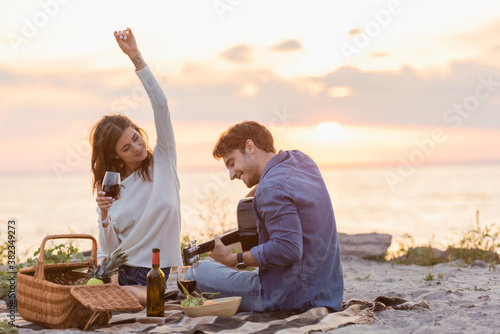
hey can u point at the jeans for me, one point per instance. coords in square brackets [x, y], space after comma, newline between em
[137, 275]
[212, 276]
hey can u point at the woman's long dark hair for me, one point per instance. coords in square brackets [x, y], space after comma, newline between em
[103, 138]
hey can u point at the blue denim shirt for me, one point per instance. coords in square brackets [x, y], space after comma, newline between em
[298, 249]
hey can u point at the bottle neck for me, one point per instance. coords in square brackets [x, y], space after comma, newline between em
[156, 259]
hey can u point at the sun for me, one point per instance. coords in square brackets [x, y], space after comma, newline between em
[328, 131]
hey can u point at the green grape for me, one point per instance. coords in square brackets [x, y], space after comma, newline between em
[192, 301]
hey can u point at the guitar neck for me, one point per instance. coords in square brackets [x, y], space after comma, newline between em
[227, 239]
[248, 239]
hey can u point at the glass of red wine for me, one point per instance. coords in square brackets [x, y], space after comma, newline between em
[111, 184]
[186, 277]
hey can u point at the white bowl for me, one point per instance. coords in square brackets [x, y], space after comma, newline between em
[223, 307]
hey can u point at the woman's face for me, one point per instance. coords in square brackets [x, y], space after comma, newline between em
[131, 148]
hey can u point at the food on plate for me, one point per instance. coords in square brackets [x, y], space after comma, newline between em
[192, 301]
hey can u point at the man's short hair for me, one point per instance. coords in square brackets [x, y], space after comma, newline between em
[236, 136]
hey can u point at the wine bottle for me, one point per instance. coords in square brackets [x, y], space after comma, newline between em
[156, 288]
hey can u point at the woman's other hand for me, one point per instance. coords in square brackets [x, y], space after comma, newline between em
[104, 203]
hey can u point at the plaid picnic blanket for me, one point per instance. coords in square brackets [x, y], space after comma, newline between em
[314, 320]
[175, 321]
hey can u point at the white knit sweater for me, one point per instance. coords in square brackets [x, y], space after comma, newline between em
[147, 215]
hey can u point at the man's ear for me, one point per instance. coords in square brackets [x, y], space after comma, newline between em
[250, 146]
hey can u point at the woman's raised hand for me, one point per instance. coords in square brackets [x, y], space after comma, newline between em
[126, 41]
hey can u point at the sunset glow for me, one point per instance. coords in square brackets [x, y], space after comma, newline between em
[329, 131]
[341, 91]
[329, 84]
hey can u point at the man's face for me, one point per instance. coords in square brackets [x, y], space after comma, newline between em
[242, 166]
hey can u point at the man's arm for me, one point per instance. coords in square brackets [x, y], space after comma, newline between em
[283, 224]
[277, 208]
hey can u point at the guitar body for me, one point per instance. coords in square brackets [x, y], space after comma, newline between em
[246, 234]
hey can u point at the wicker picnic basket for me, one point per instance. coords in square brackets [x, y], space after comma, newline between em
[46, 294]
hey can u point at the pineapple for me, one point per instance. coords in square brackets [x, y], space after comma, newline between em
[101, 273]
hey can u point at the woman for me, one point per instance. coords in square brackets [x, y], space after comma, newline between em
[146, 215]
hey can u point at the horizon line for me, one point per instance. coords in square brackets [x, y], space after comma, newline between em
[324, 166]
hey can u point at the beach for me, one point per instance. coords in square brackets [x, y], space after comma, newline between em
[462, 299]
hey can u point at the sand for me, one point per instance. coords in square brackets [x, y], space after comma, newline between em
[463, 299]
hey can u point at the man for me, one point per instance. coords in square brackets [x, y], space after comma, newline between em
[298, 253]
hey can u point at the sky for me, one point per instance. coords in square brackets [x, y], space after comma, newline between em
[363, 82]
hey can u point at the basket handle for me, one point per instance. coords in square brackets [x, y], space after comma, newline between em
[40, 267]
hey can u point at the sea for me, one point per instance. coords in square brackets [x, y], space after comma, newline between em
[431, 204]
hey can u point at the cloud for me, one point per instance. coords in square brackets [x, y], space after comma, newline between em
[355, 31]
[378, 54]
[40, 104]
[287, 45]
[403, 97]
[485, 35]
[56, 110]
[6, 77]
[483, 43]
[239, 54]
